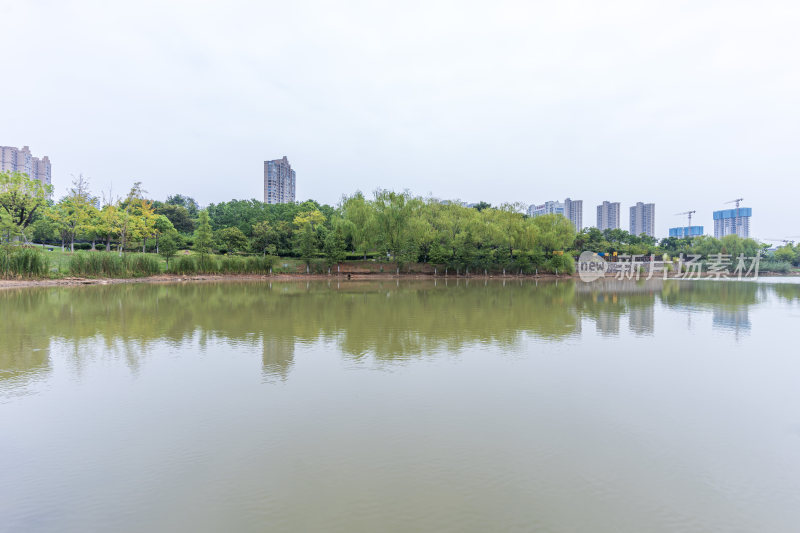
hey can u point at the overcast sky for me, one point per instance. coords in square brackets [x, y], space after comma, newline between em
[685, 104]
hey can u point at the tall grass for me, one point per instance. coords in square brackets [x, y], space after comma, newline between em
[111, 265]
[183, 264]
[260, 265]
[23, 262]
[97, 264]
[209, 264]
[232, 265]
[143, 265]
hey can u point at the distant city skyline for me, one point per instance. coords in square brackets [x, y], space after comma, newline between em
[279, 186]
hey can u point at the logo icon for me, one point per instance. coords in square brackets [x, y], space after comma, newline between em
[591, 266]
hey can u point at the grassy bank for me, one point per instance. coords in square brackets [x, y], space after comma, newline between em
[18, 262]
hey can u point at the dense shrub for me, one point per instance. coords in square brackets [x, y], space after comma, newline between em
[778, 267]
[527, 262]
[23, 261]
[318, 266]
[561, 264]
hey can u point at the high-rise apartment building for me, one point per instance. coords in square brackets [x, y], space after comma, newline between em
[573, 210]
[643, 219]
[547, 208]
[279, 182]
[608, 216]
[732, 222]
[14, 159]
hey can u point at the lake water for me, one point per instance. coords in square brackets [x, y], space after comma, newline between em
[401, 406]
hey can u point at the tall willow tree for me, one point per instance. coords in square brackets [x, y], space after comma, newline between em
[359, 222]
[392, 213]
[554, 232]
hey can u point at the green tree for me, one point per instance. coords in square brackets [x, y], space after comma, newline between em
[106, 222]
[135, 218]
[232, 239]
[162, 226]
[21, 199]
[705, 245]
[786, 254]
[554, 232]
[203, 235]
[178, 215]
[186, 202]
[44, 230]
[306, 243]
[359, 221]
[392, 213]
[265, 238]
[73, 213]
[466, 252]
[313, 217]
[168, 247]
[59, 215]
[333, 246]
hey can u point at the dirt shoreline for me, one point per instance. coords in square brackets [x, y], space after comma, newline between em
[175, 278]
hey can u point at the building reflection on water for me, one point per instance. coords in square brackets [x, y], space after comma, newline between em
[736, 320]
[277, 357]
[641, 320]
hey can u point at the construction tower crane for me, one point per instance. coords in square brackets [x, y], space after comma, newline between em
[736, 220]
[790, 240]
[689, 227]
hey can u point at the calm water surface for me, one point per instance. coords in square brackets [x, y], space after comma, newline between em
[410, 406]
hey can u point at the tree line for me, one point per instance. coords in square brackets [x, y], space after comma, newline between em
[388, 226]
